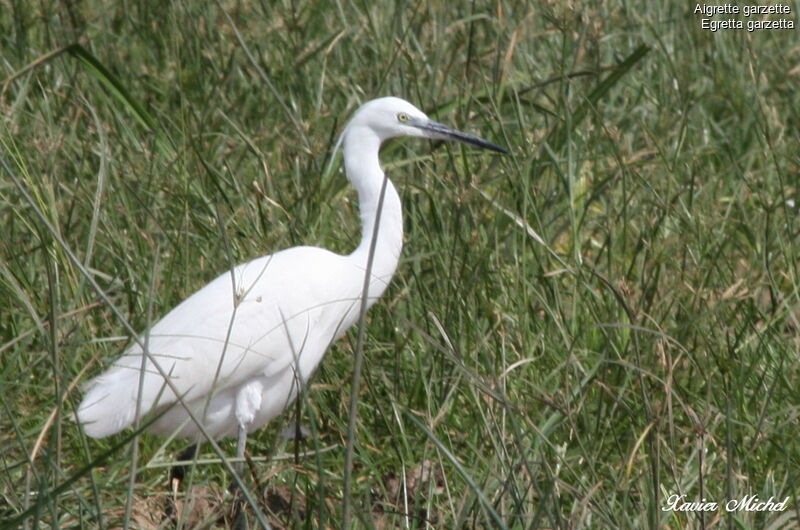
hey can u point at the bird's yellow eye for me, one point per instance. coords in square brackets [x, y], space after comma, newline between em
[403, 117]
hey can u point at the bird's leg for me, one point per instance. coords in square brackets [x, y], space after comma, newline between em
[248, 402]
[238, 467]
[179, 471]
[239, 521]
[240, 451]
[176, 475]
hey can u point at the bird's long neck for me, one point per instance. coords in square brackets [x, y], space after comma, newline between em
[363, 169]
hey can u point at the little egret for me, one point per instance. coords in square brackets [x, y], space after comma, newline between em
[238, 350]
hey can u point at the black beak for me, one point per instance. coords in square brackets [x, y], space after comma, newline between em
[444, 132]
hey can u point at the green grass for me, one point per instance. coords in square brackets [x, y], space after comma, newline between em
[607, 317]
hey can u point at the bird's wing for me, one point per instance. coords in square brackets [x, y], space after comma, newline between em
[282, 314]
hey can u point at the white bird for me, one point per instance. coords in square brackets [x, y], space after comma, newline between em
[238, 350]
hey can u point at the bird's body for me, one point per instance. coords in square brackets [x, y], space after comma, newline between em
[268, 324]
[238, 350]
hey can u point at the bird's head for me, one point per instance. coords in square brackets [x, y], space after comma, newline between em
[391, 117]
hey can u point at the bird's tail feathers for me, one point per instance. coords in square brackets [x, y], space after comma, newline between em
[109, 405]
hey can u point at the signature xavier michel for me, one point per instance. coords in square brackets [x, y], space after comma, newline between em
[748, 503]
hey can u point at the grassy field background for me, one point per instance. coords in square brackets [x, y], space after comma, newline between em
[605, 318]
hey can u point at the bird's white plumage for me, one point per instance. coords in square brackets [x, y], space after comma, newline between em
[239, 349]
[265, 332]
